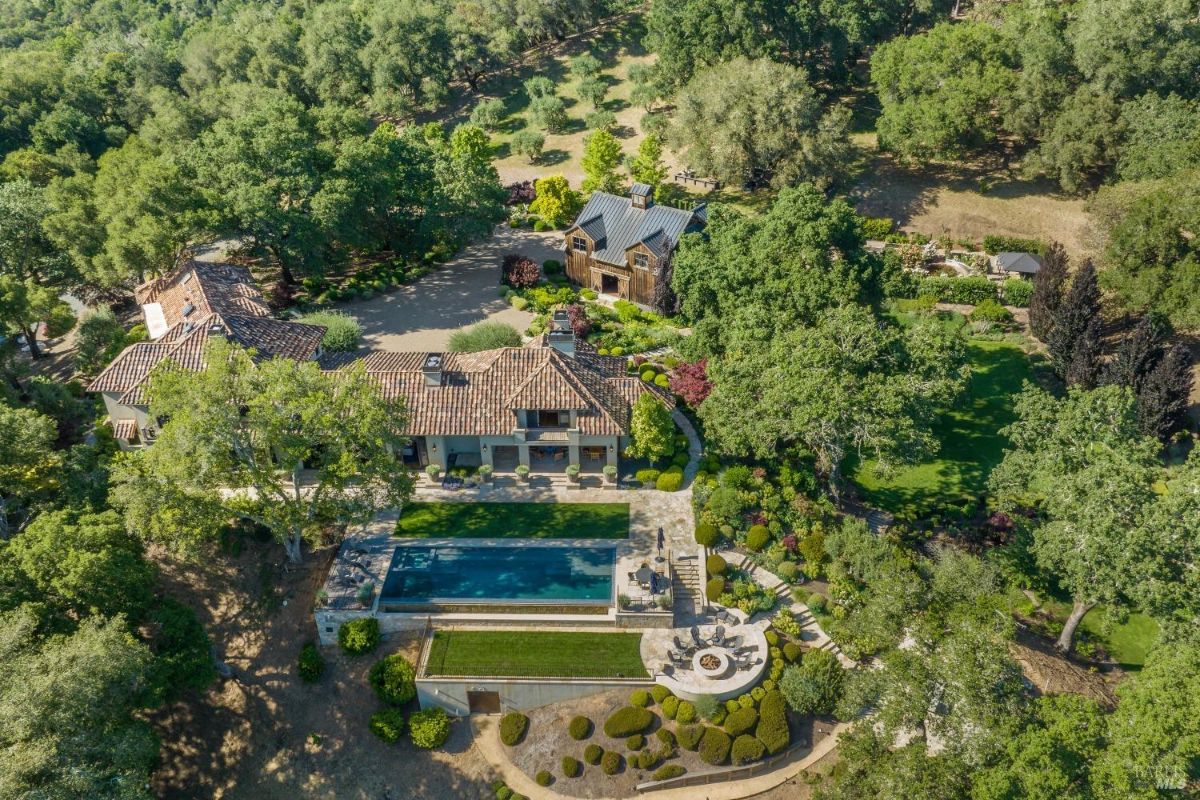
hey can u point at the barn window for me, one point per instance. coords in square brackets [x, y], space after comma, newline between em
[641, 260]
[579, 244]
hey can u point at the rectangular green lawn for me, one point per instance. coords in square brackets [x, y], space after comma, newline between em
[969, 437]
[515, 520]
[536, 654]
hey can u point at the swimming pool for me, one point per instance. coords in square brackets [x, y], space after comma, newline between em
[499, 573]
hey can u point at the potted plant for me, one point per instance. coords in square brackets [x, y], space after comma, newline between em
[321, 598]
[610, 473]
[523, 472]
[623, 602]
[485, 473]
[434, 472]
[573, 472]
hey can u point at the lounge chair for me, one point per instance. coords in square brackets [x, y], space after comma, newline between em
[732, 642]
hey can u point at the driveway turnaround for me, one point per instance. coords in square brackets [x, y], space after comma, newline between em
[464, 292]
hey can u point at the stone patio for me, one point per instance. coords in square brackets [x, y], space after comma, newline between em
[690, 683]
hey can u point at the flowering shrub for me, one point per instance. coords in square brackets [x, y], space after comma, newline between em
[578, 318]
[690, 381]
[520, 272]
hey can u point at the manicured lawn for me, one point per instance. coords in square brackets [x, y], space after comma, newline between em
[515, 520]
[969, 435]
[544, 654]
[1125, 642]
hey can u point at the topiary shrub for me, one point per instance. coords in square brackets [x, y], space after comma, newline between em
[746, 701]
[732, 705]
[429, 728]
[639, 698]
[787, 571]
[741, 721]
[544, 778]
[388, 724]
[647, 477]
[772, 638]
[393, 679]
[593, 753]
[757, 537]
[758, 693]
[714, 746]
[707, 534]
[512, 728]
[311, 666]
[772, 728]
[635, 742]
[660, 693]
[686, 713]
[666, 737]
[610, 763]
[670, 707]
[669, 481]
[648, 759]
[714, 589]
[715, 565]
[689, 736]
[792, 652]
[579, 728]
[746, 749]
[718, 716]
[627, 721]
[359, 636]
[571, 767]
[668, 771]
[501, 791]
[991, 311]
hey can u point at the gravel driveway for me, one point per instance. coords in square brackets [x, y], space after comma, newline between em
[465, 291]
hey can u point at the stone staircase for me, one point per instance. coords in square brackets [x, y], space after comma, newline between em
[687, 586]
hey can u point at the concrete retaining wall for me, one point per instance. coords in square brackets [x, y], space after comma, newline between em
[328, 623]
[516, 694]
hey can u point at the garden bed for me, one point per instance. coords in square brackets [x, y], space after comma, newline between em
[535, 654]
[515, 520]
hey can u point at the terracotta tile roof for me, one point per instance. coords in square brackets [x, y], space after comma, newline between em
[479, 393]
[199, 299]
[125, 429]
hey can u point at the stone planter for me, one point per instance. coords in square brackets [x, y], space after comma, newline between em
[573, 471]
[523, 473]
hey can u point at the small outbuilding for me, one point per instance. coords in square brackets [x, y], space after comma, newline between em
[1026, 264]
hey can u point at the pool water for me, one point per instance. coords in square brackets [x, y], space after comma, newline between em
[504, 573]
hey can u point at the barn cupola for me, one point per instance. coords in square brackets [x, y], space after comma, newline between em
[642, 195]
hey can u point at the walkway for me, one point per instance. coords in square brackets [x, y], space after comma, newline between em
[487, 740]
[463, 292]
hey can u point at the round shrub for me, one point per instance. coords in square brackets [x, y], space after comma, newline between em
[393, 679]
[741, 721]
[732, 705]
[388, 724]
[746, 749]
[715, 565]
[718, 716]
[627, 721]
[666, 737]
[686, 713]
[772, 638]
[714, 746]
[610, 762]
[757, 537]
[359, 636]
[647, 477]
[772, 728]
[991, 311]
[311, 666]
[707, 534]
[342, 331]
[1017, 292]
[571, 767]
[758, 693]
[579, 728]
[792, 652]
[648, 759]
[689, 736]
[714, 588]
[681, 458]
[639, 698]
[552, 266]
[648, 375]
[816, 603]
[787, 571]
[659, 693]
[662, 381]
[635, 742]
[544, 778]
[670, 707]
[512, 727]
[745, 701]
[669, 481]
[668, 771]
[593, 753]
[501, 791]
[429, 728]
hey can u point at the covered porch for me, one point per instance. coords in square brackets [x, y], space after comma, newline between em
[551, 459]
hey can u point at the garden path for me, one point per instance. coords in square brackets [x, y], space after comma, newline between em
[487, 742]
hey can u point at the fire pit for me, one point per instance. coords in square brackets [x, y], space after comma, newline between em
[711, 663]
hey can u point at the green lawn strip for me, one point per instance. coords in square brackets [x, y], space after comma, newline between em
[1126, 643]
[536, 654]
[969, 436]
[515, 520]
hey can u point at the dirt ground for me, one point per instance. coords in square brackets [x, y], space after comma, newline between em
[267, 735]
[547, 741]
[931, 201]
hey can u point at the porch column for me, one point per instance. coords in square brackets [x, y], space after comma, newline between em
[436, 447]
[573, 451]
[485, 454]
[611, 457]
[523, 454]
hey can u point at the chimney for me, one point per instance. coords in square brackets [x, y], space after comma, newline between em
[216, 330]
[641, 195]
[561, 335]
[432, 370]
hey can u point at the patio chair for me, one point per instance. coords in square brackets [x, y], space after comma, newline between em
[700, 641]
[732, 642]
[681, 647]
[718, 635]
[667, 669]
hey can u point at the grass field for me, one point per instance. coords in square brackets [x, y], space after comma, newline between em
[1126, 642]
[969, 435]
[544, 654]
[515, 520]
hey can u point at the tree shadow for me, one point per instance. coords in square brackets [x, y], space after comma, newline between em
[551, 157]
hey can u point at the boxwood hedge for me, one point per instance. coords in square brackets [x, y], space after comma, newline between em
[512, 727]
[627, 721]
